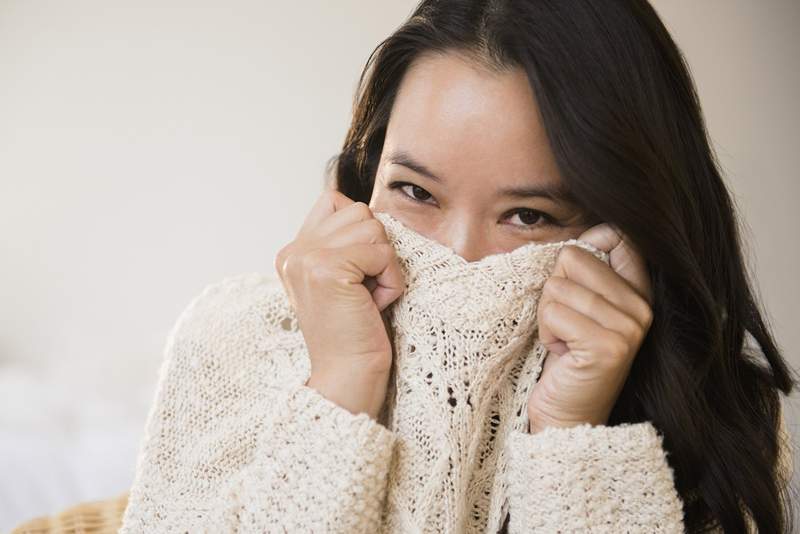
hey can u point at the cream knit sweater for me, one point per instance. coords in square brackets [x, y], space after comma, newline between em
[235, 441]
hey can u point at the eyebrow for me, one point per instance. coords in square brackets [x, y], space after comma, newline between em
[558, 192]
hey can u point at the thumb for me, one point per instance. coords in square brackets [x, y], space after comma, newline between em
[623, 257]
[602, 236]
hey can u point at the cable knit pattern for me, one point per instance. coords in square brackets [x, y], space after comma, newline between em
[235, 442]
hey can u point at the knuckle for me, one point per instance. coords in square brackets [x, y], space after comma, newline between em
[387, 251]
[289, 264]
[277, 262]
[631, 328]
[362, 209]
[646, 314]
[280, 259]
[569, 254]
[616, 347]
[376, 230]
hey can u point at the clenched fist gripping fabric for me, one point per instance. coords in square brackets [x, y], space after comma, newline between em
[235, 442]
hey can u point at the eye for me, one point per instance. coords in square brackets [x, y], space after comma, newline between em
[415, 190]
[532, 219]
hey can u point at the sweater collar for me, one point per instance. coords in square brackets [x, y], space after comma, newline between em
[503, 285]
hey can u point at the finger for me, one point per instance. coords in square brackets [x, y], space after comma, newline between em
[623, 256]
[378, 260]
[592, 305]
[355, 213]
[328, 202]
[585, 268]
[602, 236]
[584, 336]
[365, 232]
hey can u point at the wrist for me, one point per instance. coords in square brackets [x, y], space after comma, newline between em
[535, 427]
[354, 392]
[538, 422]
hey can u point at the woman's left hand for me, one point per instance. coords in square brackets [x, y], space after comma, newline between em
[593, 318]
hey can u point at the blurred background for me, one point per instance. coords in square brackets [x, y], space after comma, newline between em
[148, 149]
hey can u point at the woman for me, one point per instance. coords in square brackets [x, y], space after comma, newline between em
[592, 107]
[487, 125]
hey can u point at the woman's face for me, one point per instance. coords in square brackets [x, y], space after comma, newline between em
[466, 161]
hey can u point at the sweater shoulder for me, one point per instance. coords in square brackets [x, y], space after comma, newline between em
[239, 303]
[242, 321]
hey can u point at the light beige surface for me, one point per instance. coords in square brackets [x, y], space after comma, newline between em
[145, 146]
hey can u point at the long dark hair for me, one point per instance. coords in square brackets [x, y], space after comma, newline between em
[624, 121]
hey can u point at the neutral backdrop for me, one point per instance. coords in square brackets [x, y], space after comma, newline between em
[150, 148]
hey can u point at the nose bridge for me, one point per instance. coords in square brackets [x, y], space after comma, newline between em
[465, 235]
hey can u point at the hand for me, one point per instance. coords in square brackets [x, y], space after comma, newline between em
[340, 272]
[593, 318]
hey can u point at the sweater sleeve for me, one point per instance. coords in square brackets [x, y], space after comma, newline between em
[321, 469]
[603, 479]
[236, 442]
[592, 478]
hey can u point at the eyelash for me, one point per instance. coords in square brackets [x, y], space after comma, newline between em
[546, 219]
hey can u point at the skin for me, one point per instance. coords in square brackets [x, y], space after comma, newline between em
[458, 135]
[479, 133]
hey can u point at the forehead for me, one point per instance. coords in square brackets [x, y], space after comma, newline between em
[464, 121]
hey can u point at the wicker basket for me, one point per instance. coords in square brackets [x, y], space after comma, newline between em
[96, 517]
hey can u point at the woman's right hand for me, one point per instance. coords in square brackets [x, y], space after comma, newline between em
[340, 272]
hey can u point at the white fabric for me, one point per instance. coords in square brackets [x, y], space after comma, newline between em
[61, 444]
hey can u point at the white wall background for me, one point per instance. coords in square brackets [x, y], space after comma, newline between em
[150, 148]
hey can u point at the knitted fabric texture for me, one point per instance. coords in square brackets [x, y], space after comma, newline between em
[465, 360]
[235, 441]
